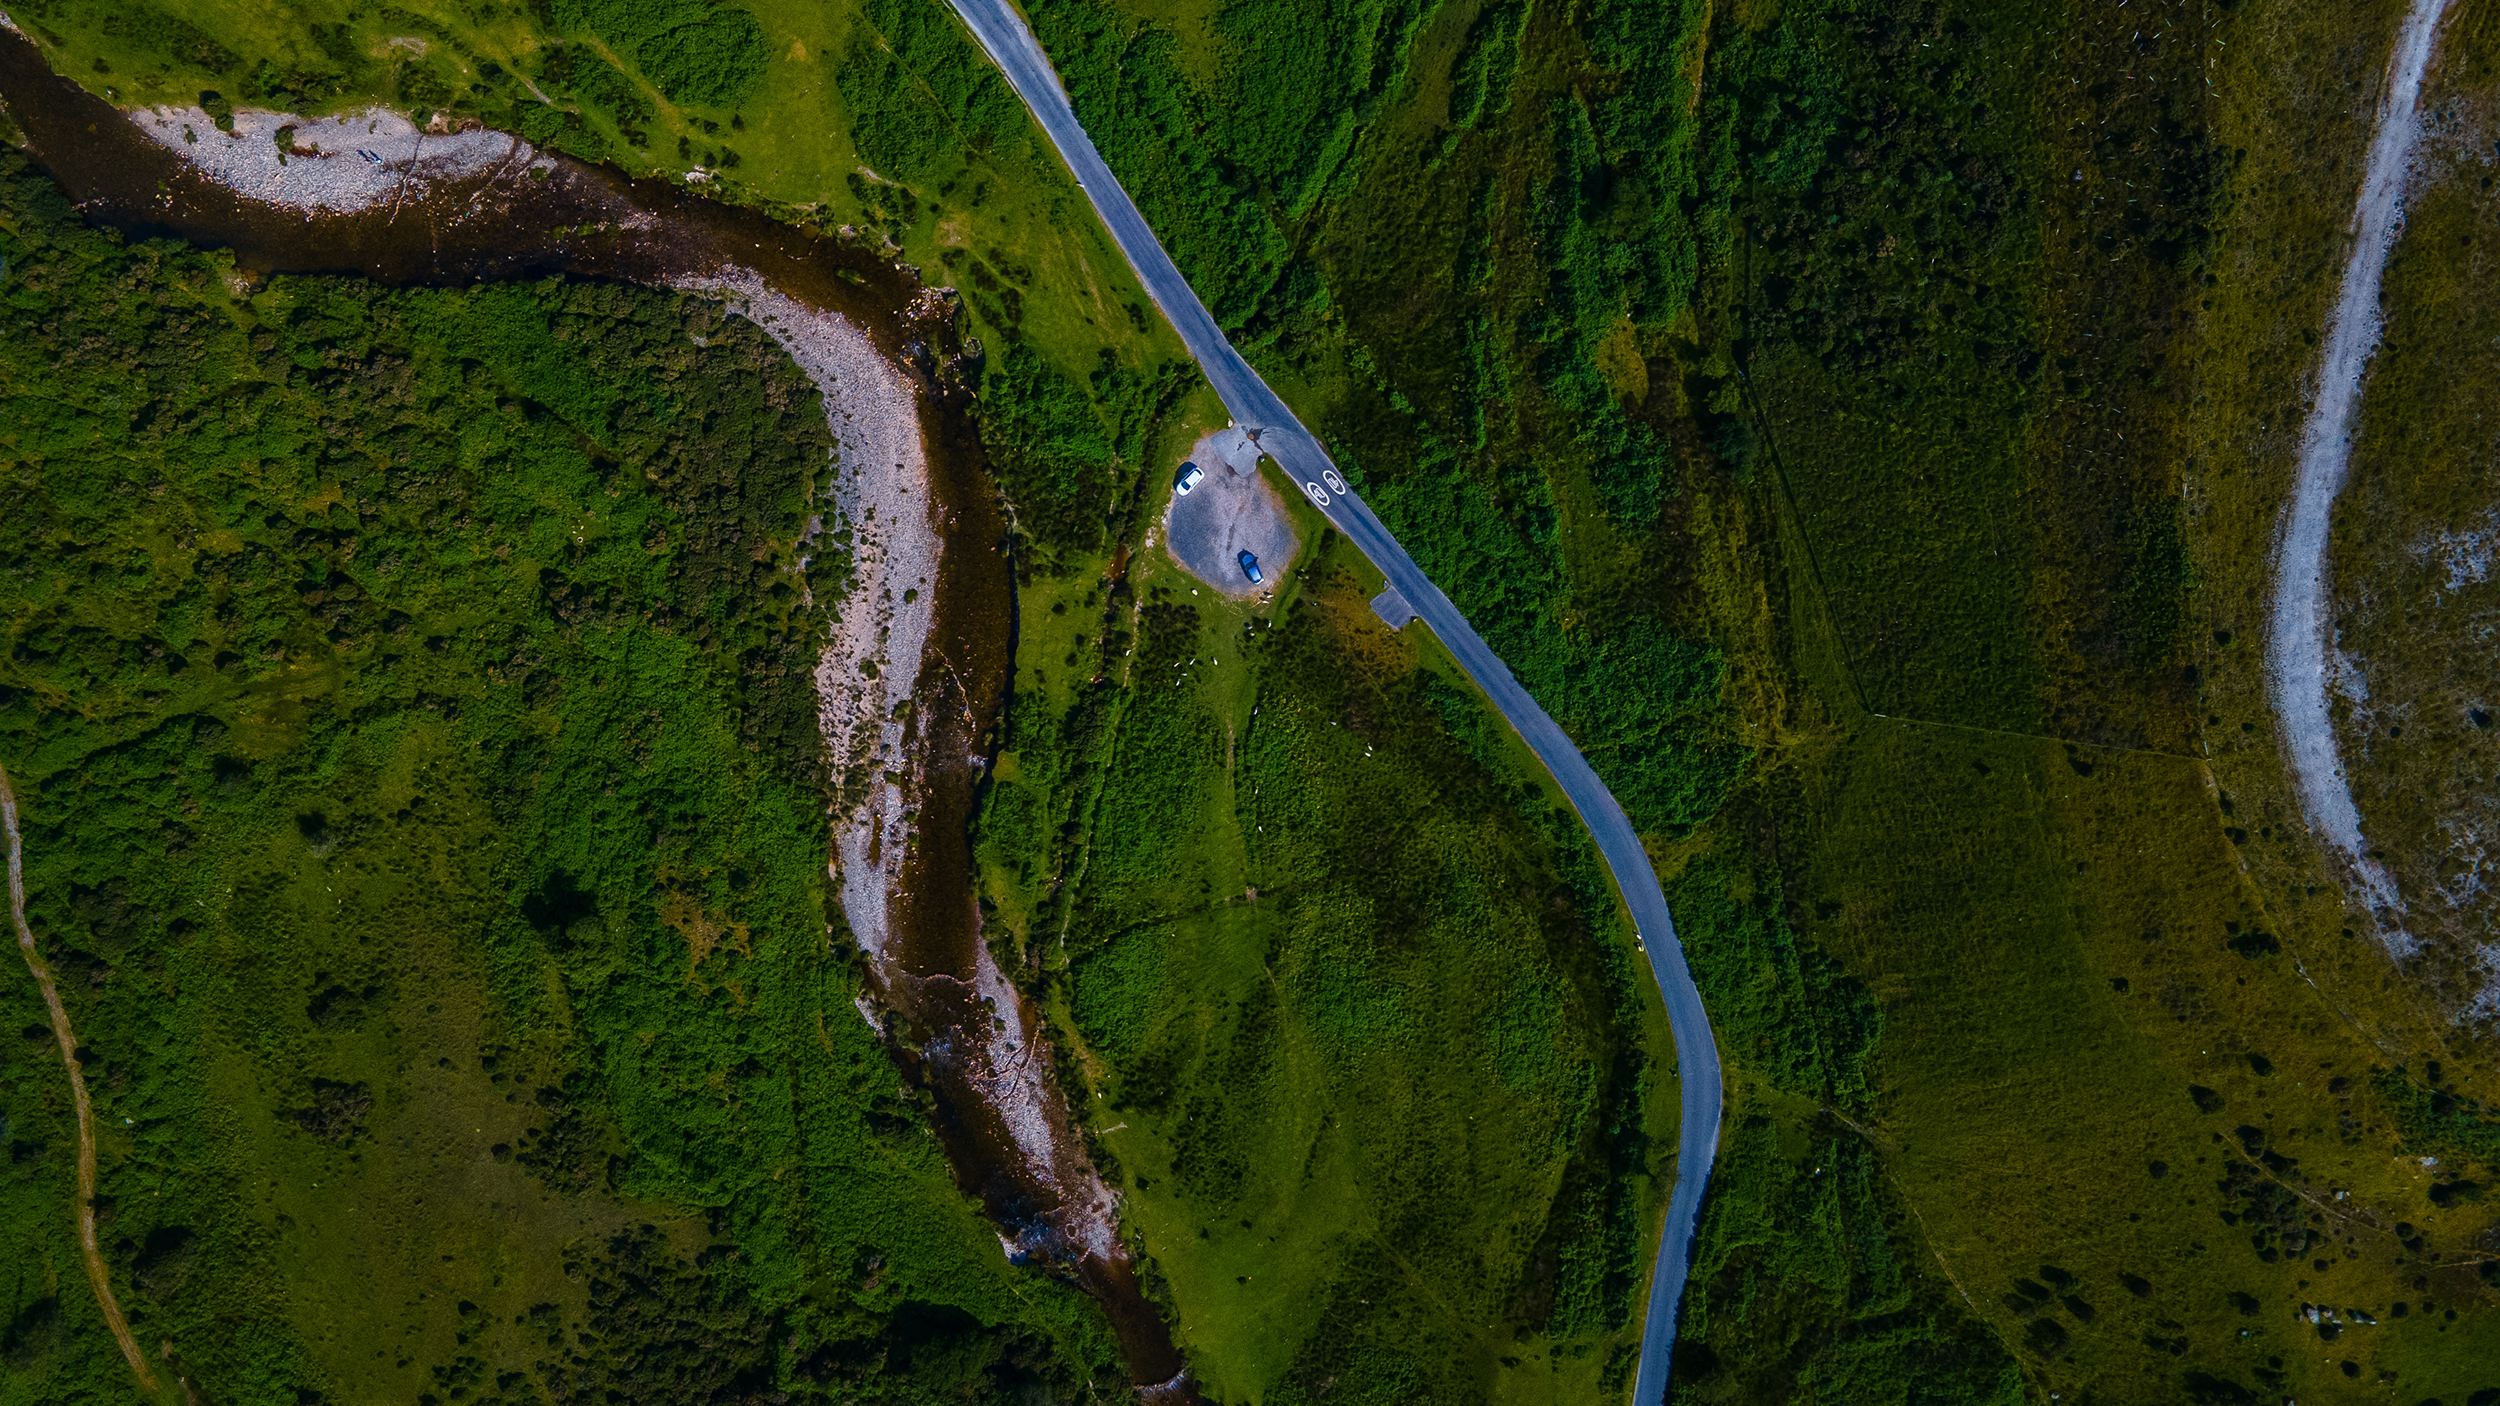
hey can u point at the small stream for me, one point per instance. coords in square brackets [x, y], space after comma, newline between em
[556, 215]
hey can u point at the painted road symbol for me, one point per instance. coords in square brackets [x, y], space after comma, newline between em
[1329, 477]
[1318, 494]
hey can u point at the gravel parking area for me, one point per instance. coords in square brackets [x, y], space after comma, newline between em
[1233, 508]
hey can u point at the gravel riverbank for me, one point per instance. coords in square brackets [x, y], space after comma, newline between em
[338, 165]
[871, 666]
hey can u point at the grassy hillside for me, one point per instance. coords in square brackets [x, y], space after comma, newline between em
[1862, 425]
[412, 708]
[1362, 1037]
[1534, 1177]
[1868, 349]
[880, 122]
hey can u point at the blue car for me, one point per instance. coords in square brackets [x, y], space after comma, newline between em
[1250, 567]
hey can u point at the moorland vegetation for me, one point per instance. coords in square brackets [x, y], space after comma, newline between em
[410, 698]
[1871, 352]
[1859, 424]
[1371, 1055]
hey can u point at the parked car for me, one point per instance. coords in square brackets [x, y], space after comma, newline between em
[1189, 476]
[1250, 567]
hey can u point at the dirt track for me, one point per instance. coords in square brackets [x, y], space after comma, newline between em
[96, 1273]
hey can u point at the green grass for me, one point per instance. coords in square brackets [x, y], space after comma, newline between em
[1065, 449]
[410, 696]
[1808, 1284]
[1854, 360]
[880, 122]
[1867, 445]
[1354, 1019]
[2054, 1004]
[1399, 282]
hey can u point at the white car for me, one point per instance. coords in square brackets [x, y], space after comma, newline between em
[1189, 476]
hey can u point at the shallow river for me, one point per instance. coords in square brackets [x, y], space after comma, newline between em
[506, 226]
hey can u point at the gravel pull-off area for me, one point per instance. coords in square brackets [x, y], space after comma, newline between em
[1231, 510]
[341, 164]
[2302, 664]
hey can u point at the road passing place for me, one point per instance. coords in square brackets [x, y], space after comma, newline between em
[1011, 45]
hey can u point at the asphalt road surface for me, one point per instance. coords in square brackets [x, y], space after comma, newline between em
[1011, 45]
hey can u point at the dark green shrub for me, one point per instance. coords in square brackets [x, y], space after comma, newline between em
[695, 52]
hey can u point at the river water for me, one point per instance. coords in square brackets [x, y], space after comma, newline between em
[590, 221]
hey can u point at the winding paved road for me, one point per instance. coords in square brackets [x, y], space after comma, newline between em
[1011, 45]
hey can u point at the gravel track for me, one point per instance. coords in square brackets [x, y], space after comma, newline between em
[1233, 509]
[2303, 665]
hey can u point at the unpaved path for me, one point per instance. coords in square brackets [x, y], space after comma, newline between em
[2302, 663]
[96, 1274]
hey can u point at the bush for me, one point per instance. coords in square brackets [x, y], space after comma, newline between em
[695, 52]
[405, 676]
